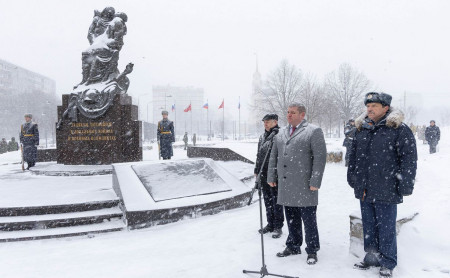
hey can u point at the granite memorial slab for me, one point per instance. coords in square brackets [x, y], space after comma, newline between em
[148, 195]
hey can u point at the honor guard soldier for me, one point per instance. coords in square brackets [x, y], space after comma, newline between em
[166, 136]
[29, 139]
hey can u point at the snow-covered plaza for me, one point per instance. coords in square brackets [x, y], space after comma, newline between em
[224, 244]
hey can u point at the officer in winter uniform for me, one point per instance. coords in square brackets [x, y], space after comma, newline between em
[381, 171]
[349, 132]
[166, 136]
[432, 135]
[194, 139]
[29, 139]
[274, 212]
[185, 140]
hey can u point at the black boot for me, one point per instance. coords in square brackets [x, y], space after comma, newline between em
[277, 233]
[385, 272]
[362, 266]
[266, 230]
[288, 252]
[312, 259]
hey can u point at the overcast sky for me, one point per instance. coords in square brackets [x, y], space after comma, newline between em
[402, 46]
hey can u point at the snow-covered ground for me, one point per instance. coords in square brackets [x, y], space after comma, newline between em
[223, 245]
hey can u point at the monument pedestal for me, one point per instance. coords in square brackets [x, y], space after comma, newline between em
[113, 137]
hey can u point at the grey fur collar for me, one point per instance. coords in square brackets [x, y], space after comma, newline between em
[393, 120]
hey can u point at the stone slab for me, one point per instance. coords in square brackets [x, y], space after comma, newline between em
[173, 180]
[221, 154]
[141, 210]
[356, 231]
[54, 169]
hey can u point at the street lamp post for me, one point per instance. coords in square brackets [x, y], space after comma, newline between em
[165, 100]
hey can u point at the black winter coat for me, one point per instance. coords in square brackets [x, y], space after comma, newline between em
[433, 134]
[349, 132]
[263, 147]
[383, 159]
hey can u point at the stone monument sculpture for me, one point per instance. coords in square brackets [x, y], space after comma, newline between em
[101, 78]
[89, 104]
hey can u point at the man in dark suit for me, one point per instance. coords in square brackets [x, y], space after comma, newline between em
[296, 166]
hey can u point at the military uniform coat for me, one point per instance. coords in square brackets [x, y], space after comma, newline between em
[383, 159]
[29, 138]
[166, 136]
[296, 163]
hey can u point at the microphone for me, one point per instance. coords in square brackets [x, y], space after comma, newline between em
[273, 133]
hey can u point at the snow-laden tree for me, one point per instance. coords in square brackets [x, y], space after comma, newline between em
[346, 87]
[282, 87]
[313, 96]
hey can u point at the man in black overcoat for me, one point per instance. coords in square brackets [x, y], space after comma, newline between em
[274, 212]
[432, 135]
[381, 171]
[349, 132]
[29, 139]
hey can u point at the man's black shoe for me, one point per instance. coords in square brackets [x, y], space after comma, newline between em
[312, 259]
[385, 272]
[277, 233]
[265, 230]
[362, 266]
[287, 252]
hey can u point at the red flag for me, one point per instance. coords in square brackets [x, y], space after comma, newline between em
[222, 105]
[188, 108]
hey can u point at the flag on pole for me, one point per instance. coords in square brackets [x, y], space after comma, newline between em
[222, 105]
[189, 108]
[173, 107]
[205, 106]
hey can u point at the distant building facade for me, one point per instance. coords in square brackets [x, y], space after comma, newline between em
[16, 80]
[164, 97]
[24, 91]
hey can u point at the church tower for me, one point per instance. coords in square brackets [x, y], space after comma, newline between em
[257, 86]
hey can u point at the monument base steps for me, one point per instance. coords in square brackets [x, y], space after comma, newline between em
[67, 221]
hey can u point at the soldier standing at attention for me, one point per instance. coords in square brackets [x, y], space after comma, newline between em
[185, 139]
[166, 136]
[29, 139]
[194, 139]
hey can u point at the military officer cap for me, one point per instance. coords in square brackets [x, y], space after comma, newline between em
[28, 115]
[270, 117]
[382, 98]
[164, 112]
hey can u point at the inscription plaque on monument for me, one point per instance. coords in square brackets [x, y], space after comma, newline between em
[111, 138]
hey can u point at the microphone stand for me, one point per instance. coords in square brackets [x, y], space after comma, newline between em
[263, 272]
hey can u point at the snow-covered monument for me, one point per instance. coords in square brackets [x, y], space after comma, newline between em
[97, 123]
